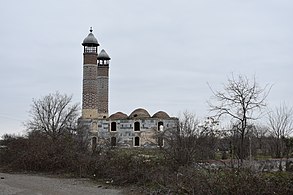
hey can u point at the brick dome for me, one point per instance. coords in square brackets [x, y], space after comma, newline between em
[140, 113]
[118, 115]
[161, 115]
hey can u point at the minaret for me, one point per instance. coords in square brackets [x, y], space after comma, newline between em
[90, 82]
[103, 84]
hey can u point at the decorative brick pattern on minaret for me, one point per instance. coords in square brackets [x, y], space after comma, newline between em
[103, 83]
[89, 86]
[103, 90]
[90, 82]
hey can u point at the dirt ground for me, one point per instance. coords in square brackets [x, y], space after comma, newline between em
[23, 184]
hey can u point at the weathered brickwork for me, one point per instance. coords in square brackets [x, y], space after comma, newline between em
[90, 58]
[89, 113]
[89, 87]
[102, 96]
[90, 101]
[103, 70]
[89, 72]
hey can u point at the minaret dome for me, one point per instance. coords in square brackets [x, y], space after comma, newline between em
[103, 55]
[90, 40]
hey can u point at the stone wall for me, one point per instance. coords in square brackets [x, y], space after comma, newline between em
[125, 133]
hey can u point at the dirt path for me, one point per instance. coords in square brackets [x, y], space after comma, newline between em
[21, 184]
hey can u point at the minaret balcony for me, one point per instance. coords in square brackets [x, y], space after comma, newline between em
[88, 49]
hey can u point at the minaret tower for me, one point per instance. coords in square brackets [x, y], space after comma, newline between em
[90, 83]
[103, 84]
[95, 93]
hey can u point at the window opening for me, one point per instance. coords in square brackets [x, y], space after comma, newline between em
[136, 126]
[90, 49]
[136, 141]
[113, 126]
[160, 126]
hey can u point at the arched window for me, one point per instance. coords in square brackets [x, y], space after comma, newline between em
[160, 126]
[113, 141]
[94, 143]
[113, 126]
[136, 141]
[136, 126]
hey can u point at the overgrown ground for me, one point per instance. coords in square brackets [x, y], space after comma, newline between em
[155, 174]
[151, 171]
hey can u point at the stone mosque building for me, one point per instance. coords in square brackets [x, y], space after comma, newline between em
[138, 129]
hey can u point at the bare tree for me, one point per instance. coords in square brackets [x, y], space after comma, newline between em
[190, 141]
[181, 142]
[241, 100]
[280, 122]
[53, 115]
[260, 135]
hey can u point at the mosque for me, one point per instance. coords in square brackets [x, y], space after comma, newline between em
[138, 129]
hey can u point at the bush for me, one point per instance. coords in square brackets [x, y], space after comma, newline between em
[147, 169]
[157, 176]
[191, 181]
[39, 153]
[124, 166]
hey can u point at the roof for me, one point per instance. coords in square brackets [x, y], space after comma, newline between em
[161, 115]
[90, 40]
[118, 115]
[103, 55]
[140, 113]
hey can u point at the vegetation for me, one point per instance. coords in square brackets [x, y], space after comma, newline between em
[280, 123]
[197, 158]
[148, 169]
[241, 100]
[53, 115]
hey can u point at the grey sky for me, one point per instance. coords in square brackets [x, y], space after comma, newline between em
[163, 52]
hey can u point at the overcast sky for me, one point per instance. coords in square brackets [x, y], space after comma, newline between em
[164, 52]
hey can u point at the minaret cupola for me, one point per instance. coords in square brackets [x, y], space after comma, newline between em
[90, 43]
[103, 58]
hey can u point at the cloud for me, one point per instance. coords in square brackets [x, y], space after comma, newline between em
[163, 52]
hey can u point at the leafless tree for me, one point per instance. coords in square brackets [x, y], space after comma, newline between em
[181, 142]
[190, 140]
[241, 100]
[280, 123]
[53, 115]
[260, 139]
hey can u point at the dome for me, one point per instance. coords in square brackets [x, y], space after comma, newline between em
[103, 55]
[140, 113]
[118, 115]
[90, 40]
[161, 115]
